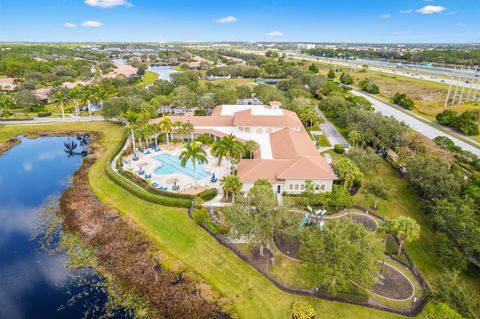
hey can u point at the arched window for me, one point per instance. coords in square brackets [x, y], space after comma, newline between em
[259, 131]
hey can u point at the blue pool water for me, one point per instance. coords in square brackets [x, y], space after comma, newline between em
[172, 165]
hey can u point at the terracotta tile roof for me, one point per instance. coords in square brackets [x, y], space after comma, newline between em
[201, 120]
[312, 167]
[251, 170]
[246, 118]
[287, 143]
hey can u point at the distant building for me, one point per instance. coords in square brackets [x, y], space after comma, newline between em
[301, 46]
[7, 84]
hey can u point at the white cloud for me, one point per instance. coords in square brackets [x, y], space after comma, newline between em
[70, 25]
[385, 16]
[92, 24]
[108, 3]
[431, 9]
[405, 11]
[461, 25]
[229, 19]
[275, 34]
[27, 167]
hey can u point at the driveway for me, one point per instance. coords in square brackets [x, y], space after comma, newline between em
[419, 126]
[331, 133]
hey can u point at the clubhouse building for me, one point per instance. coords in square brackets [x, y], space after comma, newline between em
[286, 155]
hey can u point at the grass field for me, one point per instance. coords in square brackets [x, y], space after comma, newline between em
[148, 78]
[182, 239]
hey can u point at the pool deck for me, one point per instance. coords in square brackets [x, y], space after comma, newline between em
[186, 182]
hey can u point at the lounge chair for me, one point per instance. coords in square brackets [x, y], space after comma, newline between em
[157, 149]
[154, 184]
[148, 175]
[141, 172]
[163, 188]
[146, 152]
[126, 162]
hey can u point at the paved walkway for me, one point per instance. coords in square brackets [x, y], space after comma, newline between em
[420, 126]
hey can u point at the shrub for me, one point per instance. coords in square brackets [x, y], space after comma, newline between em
[208, 194]
[205, 139]
[302, 310]
[44, 114]
[198, 202]
[403, 100]
[200, 216]
[446, 117]
[338, 149]
[216, 228]
[346, 79]
[37, 109]
[368, 86]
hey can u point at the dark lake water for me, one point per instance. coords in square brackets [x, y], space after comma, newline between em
[35, 282]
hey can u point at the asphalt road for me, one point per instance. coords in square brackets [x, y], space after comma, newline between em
[50, 120]
[419, 126]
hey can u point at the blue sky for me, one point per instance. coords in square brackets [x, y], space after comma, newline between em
[436, 21]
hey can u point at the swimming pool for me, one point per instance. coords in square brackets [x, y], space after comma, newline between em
[172, 164]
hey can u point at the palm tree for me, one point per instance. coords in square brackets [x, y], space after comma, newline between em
[407, 229]
[187, 129]
[387, 227]
[61, 97]
[194, 153]
[75, 94]
[132, 118]
[87, 98]
[227, 147]
[355, 137]
[250, 147]
[179, 128]
[166, 126]
[231, 184]
[5, 103]
[101, 94]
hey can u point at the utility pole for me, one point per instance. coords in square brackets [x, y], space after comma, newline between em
[463, 85]
[450, 88]
[457, 82]
[476, 88]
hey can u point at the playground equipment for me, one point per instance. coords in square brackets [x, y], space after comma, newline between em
[314, 217]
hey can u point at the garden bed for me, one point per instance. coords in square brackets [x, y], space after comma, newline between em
[393, 284]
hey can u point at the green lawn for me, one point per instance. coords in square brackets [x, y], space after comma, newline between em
[148, 78]
[182, 239]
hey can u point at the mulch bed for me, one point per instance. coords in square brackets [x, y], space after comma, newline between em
[364, 220]
[393, 284]
[265, 261]
[288, 245]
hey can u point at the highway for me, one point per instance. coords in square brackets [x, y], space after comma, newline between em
[419, 126]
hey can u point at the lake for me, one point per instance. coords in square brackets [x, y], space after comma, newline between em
[35, 282]
[164, 71]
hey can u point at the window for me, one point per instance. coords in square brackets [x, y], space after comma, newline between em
[259, 131]
[302, 187]
[296, 187]
[290, 187]
[247, 129]
[317, 187]
[323, 187]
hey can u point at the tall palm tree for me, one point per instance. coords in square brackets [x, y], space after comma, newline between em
[229, 148]
[250, 147]
[179, 129]
[194, 153]
[61, 97]
[187, 129]
[231, 184]
[75, 94]
[87, 98]
[102, 94]
[355, 137]
[387, 227]
[132, 118]
[166, 126]
[5, 103]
